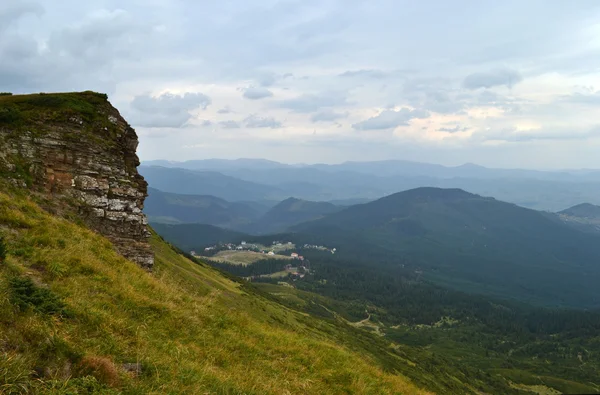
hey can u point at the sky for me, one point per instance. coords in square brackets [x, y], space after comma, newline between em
[501, 84]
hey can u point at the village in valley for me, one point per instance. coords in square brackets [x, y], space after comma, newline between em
[245, 254]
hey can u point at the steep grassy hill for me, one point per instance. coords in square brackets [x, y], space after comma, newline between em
[469, 242]
[176, 208]
[75, 317]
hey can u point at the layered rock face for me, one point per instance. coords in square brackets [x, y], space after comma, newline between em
[78, 149]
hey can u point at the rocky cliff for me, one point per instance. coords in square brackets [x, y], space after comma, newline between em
[77, 149]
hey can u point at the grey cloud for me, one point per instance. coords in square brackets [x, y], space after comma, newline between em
[583, 98]
[229, 125]
[103, 38]
[455, 129]
[500, 77]
[267, 79]
[389, 119]
[441, 102]
[80, 56]
[12, 10]
[257, 93]
[516, 136]
[254, 121]
[167, 110]
[206, 123]
[327, 116]
[434, 94]
[311, 102]
[369, 73]
[225, 110]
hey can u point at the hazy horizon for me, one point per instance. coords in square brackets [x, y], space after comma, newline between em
[549, 169]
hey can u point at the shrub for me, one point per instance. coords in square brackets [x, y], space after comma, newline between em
[9, 115]
[5, 94]
[25, 294]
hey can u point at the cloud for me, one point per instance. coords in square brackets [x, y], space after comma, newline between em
[455, 129]
[327, 116]
[229, 124]
[314, 102]
[167, 110]
[592, 99]
[545, 134]
[225, 110]
[257, 93]
[500, 77]
[254, 121]
[389, 119]
[369, 73]
[12, 10]
[267, 79]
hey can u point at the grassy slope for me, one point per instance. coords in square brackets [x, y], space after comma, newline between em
[192, 329]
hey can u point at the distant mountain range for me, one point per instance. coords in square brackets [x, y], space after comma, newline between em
[174, 208]
[459, 240]
[290, 212]
[257, 180]
[251, 217]
[386, 168]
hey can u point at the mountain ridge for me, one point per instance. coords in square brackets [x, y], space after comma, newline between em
[492, 246]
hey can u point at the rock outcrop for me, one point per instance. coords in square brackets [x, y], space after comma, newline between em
[77, 148]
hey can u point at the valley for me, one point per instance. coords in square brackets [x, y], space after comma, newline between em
[251, 290]
[445, 270]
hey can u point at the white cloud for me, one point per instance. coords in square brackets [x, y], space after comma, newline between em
[389, 119]
[167, 110]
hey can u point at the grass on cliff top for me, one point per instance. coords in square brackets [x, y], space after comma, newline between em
[15, 110]
[73, 312]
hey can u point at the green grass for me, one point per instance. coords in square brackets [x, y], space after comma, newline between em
[34, 115]
[189, 327]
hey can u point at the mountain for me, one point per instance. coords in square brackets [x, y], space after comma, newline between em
[290, 212]
[473, 243]
[584, 210]
[93, 302]
[388, 168]
[585, 217]
[176, 208]
[365, 181]
[190, 182]
[218, 164]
